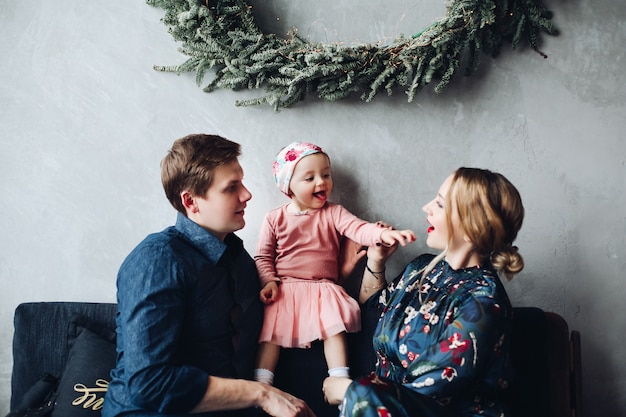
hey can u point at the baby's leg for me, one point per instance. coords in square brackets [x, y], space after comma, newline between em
[336, 353]
[267, 360]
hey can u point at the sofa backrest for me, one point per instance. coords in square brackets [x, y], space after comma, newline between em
[544, 352]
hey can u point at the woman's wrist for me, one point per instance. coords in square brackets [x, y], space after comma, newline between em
[372, 289]
[373, 279]
[375, 269]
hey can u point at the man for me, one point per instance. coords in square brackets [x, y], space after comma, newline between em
[189, 312]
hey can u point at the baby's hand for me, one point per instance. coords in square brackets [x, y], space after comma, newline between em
[269, 292]
[390, 237]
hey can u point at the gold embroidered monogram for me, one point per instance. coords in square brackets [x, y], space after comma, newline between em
[92, 397]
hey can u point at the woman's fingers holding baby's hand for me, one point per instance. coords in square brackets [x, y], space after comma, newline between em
[392, 237]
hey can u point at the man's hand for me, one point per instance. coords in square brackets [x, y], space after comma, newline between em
[281, 404]
[235, 394]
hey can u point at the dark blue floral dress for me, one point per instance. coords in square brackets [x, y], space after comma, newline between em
[446, 355]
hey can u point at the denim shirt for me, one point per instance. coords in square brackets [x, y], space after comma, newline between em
[189, 307]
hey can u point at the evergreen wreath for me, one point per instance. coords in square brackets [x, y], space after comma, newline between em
[223, 35]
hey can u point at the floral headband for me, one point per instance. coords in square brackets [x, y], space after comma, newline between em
[286, 160]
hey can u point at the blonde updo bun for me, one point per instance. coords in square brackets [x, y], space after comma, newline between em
[508, 261]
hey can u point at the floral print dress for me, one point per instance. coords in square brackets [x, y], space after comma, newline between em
[442, 346]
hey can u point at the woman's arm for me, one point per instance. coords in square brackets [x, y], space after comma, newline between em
[374, 278]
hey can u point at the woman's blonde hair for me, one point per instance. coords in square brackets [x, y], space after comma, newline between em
[491, 214]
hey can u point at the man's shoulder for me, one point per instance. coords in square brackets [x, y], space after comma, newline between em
[163, 238]
[158, 244]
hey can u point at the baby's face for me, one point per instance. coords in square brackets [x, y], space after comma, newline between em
[311, 182]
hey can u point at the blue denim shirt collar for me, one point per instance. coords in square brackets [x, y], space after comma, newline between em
[205, 241]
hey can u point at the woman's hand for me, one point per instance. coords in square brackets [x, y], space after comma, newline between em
[334, 389]
[350, 253]
[377, 255]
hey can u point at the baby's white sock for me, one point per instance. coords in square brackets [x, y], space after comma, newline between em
[264, 375]
[341, 371]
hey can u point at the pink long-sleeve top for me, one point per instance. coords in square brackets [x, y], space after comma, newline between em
[306, 246]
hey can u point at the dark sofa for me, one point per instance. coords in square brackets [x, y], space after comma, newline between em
[50, 338]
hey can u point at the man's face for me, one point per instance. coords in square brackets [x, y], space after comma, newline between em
[221, 210]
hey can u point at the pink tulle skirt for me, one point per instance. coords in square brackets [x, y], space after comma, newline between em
[308, 310]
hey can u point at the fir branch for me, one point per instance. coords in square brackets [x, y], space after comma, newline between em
[222, 37]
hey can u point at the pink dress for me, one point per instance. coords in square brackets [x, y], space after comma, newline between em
[301, 252]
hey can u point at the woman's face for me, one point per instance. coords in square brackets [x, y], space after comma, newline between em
[439, 234]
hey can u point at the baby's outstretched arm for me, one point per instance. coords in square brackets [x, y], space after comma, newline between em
[269, 292]
[390, 237]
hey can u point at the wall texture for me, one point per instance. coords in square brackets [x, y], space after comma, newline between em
[84, 122]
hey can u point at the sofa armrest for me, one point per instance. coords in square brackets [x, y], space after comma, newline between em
[40, 342]
[564, 361]
[576, 379]
[546, 356]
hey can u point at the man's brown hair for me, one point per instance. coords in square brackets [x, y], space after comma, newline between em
[191, 163]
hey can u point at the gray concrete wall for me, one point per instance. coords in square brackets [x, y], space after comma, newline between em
[85, 121]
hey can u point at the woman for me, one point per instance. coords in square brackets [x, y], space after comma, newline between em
[443, 337]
